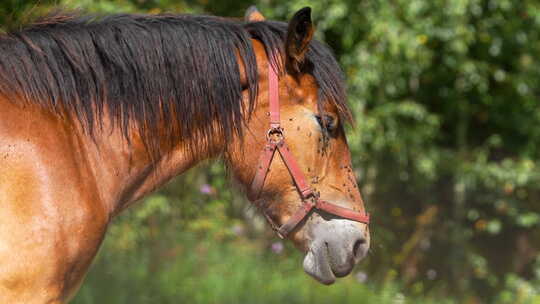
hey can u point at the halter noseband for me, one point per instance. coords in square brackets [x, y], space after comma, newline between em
[276, 141]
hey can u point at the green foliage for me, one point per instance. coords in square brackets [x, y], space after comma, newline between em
[444, 94]
[199, 269]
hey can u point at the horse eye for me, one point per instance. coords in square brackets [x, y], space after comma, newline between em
[326, 122]
[319, 120]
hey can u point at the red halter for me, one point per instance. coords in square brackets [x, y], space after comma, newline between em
[276, 141]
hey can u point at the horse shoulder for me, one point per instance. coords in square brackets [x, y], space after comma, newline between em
[51, 222]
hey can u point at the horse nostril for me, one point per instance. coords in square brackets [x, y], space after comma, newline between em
[357, 247]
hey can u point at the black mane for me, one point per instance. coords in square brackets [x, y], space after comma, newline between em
[168, 75]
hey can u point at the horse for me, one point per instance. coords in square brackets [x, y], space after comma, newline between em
[99, 111]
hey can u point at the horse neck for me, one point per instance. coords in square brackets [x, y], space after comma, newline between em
[125, 172]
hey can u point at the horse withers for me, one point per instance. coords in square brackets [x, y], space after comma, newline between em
[97, 112]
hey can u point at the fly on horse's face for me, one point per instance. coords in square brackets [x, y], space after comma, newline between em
[314, 133]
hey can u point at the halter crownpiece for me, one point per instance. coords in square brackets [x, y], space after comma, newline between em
[276, 141]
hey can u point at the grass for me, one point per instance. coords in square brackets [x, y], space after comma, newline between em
[236, 271]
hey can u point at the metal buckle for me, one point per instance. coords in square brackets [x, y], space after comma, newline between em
[273, 225]
[275, 135]
[308, 194]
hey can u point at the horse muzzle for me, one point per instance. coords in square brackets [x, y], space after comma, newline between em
[337, 245]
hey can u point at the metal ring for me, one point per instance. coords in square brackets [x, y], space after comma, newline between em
[271, 131]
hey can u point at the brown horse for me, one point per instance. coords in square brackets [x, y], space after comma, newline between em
[97, 112]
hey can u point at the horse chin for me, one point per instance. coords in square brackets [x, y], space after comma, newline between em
[316, 264]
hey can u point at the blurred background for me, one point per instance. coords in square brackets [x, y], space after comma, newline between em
[446, 148]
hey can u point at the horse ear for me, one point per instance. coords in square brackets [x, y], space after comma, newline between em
[253, 15]
[299, 34]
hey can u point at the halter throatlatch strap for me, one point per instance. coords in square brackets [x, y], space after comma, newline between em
[276, 141]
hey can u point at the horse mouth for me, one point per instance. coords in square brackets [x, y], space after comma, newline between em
[320, 265]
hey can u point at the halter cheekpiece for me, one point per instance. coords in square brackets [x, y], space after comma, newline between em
[275, 140]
